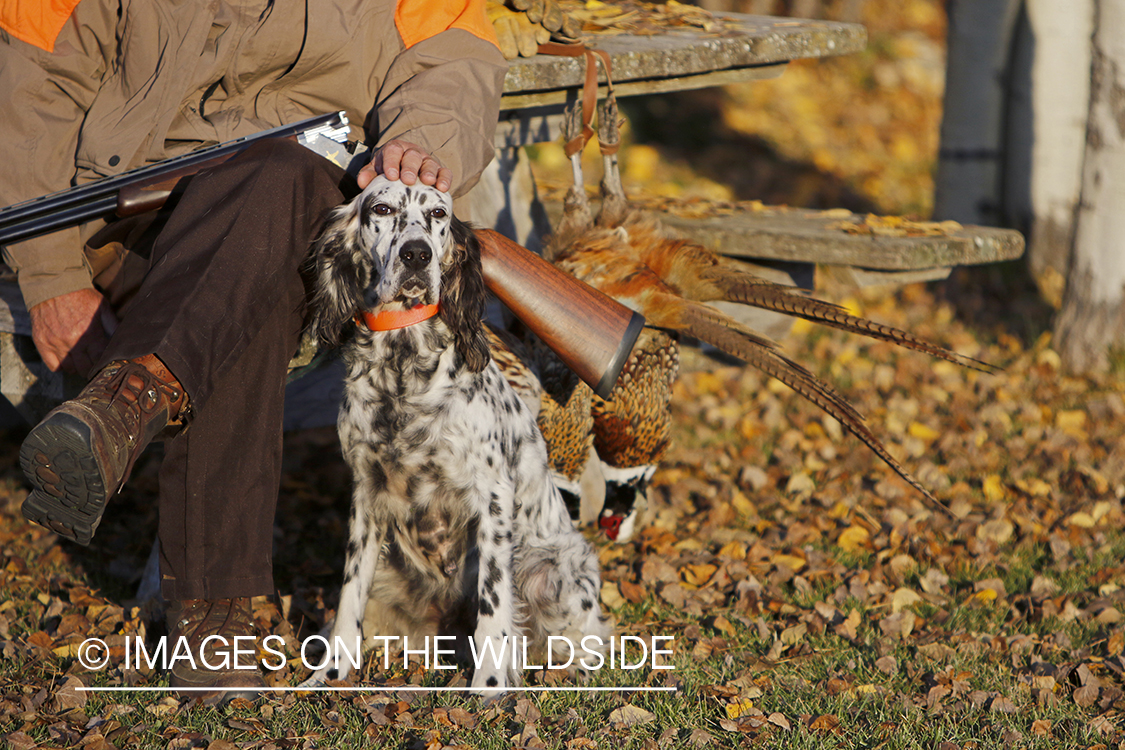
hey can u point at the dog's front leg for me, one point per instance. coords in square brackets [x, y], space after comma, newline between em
[344, 653]
[495, 640]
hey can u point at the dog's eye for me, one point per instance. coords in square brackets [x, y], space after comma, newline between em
[383, 209]
[437, 213]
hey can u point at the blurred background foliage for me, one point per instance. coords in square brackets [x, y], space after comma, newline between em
[858, 131]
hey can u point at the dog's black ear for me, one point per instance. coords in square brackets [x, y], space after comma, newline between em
[337, 282]
[463, 297]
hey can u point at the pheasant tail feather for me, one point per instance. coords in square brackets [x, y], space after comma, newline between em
[744, 288]
[719, 330]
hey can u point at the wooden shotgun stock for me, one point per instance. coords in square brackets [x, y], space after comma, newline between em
[590, 332]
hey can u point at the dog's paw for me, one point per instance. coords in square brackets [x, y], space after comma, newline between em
[322, 677]
[315, 681]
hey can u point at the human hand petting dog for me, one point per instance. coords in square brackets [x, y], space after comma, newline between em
[408, 162]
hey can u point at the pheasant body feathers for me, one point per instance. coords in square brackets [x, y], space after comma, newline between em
[669, 279]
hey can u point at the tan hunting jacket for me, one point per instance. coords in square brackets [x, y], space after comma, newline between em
[132, 82]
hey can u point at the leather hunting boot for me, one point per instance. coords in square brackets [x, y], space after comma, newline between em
[209, 627]
[84, 450]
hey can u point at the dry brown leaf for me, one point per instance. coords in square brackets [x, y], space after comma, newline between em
[581, 743]
[1001, 705]
[633, 592]
[69, 696]
[1086, 696]
[1103, 726]
[630, 715]
[998, 530]
[791, 636]
[937, 651]
[19, 740]
[700, 738]
[850, 626]
[887, 664]
[904, 598]
[723, 625]
[825, 723]
[527, 711]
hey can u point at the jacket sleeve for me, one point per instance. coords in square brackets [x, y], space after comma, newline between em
[45, 97]
[443, 93]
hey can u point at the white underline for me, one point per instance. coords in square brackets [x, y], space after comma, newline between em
[388, 689]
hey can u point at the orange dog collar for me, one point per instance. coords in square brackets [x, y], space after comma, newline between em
[389, 320]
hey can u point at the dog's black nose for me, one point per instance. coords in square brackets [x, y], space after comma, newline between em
[415, 255]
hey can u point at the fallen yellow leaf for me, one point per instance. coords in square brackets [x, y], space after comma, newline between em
[1082, 520]
[1071, 421]
[738, 708]
[993, 488]
[611, 595]
[985, 595]
[854, 538]
[733, 550]
[742, 504]
[792, 562]
[923, 432]
[697, 575]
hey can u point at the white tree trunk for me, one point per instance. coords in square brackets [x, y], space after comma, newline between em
[967, 187]
[1092, 322]
[1060, 73]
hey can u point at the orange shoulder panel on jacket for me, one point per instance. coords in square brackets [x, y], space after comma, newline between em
[37, 22]
[418, 20]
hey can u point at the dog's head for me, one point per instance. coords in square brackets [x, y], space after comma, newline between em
[395, 247]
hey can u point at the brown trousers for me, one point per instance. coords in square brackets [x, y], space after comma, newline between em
[222, 303]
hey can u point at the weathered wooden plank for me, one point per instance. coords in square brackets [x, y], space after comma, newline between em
[806, 236]
[522, 103]
[815, 236]
[752, 41]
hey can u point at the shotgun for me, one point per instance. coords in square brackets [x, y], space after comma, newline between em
[591, 333]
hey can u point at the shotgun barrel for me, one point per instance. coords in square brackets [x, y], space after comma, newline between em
[100, 198]
[591, 333]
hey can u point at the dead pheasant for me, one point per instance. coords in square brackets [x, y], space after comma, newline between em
[669, 279]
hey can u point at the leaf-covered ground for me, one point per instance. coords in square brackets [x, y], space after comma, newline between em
[814, 599]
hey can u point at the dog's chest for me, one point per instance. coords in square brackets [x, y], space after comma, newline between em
[451, 432]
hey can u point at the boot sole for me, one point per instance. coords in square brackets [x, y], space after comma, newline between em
[70, 494]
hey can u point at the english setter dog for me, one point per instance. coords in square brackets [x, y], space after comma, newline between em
[456, 526]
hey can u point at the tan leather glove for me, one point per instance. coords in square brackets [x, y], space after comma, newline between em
[522, 25]
[518, 36]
